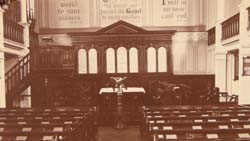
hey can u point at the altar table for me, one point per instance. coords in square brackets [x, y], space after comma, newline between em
[125, 106]
[124, 90]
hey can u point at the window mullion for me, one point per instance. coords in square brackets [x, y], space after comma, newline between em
[157, 60]
[116, 69]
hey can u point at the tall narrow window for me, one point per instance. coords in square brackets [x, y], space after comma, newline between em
[92, 61]
[162, 59]
[110, 60]
[82, 61]
[133, 60]
[235, 54]
[151, 59]
[236, 66]
[122, 60]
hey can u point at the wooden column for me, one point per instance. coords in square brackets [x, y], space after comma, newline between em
[2, 68]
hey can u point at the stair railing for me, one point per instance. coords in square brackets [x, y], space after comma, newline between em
[17, 74]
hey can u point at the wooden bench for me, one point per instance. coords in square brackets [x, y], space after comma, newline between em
[179, 126]
[205, 134]
[48, 124]
[195, 123]
[198, 113]
[197, 108]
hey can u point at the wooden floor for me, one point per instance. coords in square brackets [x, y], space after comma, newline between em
[131, 133]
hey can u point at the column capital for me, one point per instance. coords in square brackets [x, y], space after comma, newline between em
[244, 4]
[1, 50]
[1, 10]
[1, 58]
[24, 24]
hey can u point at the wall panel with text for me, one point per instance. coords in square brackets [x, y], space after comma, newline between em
[100, 13]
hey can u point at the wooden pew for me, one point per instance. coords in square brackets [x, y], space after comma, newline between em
[203, 122]
[187, 134]
[198, 107]
[186, 126]
[199, 113]
[195, 123]
[49, 123]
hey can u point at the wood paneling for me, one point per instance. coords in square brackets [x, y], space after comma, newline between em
[54, 89]
[189, 51]
[211, 60]
[201, 58]
[192, 59]
[73, 89]
[189, 59]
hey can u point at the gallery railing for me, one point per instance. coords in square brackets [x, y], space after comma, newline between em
[211, 36]
[230, 27]
[13, 31]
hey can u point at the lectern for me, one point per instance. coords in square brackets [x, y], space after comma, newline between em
[116, 103]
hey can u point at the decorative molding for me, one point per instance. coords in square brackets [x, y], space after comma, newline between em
[122, 32]
[44, 30]
[21, 53]
[231, 42]
[118, 27]
[13, 44]
[185, 37]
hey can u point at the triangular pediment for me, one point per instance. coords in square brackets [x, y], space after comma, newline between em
[121, 27]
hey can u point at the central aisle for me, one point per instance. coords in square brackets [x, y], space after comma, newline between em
[132, 133]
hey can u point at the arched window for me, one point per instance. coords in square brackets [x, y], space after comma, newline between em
[162, 59]
[92, 61]
[151, 59]
[82, 61]
[133, 60]
[110, 60]
[122, 60]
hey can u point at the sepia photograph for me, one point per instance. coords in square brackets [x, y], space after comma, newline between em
[124, 70]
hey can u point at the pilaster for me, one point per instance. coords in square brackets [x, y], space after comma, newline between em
[2, 68]
[220, 10]
[220, 56]
[24, 23]
[23, 11]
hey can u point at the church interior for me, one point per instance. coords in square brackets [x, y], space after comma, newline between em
[119, 70]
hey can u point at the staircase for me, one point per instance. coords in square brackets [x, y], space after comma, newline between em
[17, 79]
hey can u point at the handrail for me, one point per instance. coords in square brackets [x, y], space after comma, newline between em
[17, 74]
[231, 27]
[13, 30]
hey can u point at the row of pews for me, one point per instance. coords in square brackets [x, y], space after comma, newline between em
[48, 124]
[196, 123]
